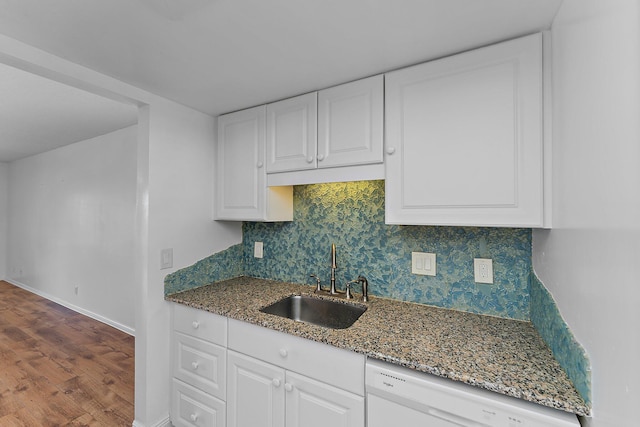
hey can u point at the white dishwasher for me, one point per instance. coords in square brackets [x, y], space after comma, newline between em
[401, 397]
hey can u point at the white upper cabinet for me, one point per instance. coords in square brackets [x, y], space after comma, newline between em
[292, 133]
[241, 180]
[350, 123]
[332, 135]
[465, 139]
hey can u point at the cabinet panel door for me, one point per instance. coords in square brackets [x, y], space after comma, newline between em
[464, 138]
[292, 133]
[350, 123]
[241, 177]
[311, 403]
[200, 324]
[255, 393]
[192, 408]
[200, 363]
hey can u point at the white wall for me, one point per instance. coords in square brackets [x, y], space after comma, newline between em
[4, 212]
[178, 167]
[590, 260]
[71, 216]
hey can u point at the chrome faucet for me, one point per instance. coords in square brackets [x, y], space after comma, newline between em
[332, 289]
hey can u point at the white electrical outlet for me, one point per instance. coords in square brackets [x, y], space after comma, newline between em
[483, 270]
[258, 250]
[423, 263]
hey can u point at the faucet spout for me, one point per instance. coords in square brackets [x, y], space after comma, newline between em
[333, 290]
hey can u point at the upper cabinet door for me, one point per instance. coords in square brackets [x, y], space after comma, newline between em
[292, 133]
[240, 164]
[350, 123]
[241, 180]
[465, 139]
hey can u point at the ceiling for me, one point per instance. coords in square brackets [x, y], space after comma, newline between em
[218, 56]
[37, 114]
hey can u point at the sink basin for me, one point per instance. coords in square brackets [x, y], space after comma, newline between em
[321, 312]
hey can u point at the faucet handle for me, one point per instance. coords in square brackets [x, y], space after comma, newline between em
[318, 286]
[348, 294]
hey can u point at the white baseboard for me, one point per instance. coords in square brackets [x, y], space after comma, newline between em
[165, 422]
[75, 308]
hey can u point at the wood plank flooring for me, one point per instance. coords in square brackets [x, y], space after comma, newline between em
[60, 368]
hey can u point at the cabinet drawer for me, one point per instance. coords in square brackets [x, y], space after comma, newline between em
[200, 363]
[341, 368]
[200, 324]
[192, 408]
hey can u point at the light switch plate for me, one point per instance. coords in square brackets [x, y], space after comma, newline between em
[166, 258]
[483, 270]
[258, 250]
[423, 263]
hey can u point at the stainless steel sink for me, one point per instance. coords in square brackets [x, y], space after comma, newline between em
[321, 312]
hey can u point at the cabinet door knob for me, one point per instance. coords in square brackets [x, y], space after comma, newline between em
[288, 387]
[195, 324]
[259, 165]
[310, 159]
[193, 417]
[276, 382]
[195, 365]
[391, 150]
[320, 157]
[283, 352]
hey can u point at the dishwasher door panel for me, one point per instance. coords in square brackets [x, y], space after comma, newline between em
[384, 413]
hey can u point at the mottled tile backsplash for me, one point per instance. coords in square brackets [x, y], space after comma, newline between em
[554, 331]
[351, 215]
[219, 266]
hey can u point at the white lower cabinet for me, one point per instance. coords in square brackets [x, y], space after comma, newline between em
[231, 373]
[312, 403]
[256, 392]
[274, 395]
[199, 368]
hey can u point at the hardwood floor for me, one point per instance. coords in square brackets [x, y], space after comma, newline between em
[60, 368]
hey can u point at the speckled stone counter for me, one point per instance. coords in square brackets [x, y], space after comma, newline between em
[496, 354]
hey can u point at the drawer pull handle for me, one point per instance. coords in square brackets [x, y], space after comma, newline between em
[194, 417]
[310, 159]
[288, 387]
[195, 324]
[283, 352]
[390, 150]
[276, 382]
[195, 365]
[320, 157]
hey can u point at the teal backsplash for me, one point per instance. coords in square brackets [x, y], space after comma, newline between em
[351, 215]
[220, 266]
[554, 331]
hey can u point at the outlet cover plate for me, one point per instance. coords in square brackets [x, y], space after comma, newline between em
[258, 250]
[423, 263]
[483, 270]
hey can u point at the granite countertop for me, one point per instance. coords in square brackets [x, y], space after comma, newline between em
[501, 355]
